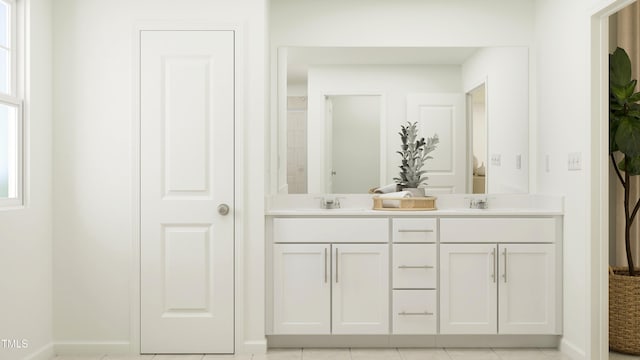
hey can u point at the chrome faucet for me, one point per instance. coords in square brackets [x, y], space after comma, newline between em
[327, 203]
[478, 203]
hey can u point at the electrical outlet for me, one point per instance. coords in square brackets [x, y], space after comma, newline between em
[495, 159]
[574, 161]
[518, 161]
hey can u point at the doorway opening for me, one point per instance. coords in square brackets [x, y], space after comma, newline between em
[477, 104]
[352, 124]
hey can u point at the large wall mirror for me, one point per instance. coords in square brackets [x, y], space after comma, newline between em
[340, 111]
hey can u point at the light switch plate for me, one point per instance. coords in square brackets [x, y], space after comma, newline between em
[496, 159]
[518, 161]
[574, 161]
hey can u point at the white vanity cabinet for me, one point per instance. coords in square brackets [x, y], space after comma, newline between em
[333, 287]
[468, 284]
[302, 288]
[414, 271]
[500, 287]
[527, 288]
[360, 289]
[414, 278]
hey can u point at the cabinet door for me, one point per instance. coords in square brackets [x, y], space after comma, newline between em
[302, 288]
[468, 289]
[527, 289]
[360, 289]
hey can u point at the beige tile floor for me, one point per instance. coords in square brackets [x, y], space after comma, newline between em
[365, 354]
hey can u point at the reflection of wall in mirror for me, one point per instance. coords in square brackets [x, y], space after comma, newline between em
[297, 144]
[394, 82]
[506, 73]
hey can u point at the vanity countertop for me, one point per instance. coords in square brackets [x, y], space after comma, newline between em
[447, 205]
[443, 212]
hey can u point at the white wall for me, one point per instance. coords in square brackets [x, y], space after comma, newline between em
[506, 72]
[563, 97]
[25, 234]
[393, 82]
[401, 23]
[93, 177]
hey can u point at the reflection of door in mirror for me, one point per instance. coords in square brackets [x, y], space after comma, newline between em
[352, 124]
[478, 127]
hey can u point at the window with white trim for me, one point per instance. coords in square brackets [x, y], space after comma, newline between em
[11, 152]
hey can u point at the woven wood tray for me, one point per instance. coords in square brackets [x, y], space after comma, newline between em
[406, 204]
[624, 311]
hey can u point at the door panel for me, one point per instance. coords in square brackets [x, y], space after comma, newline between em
[302, 289]
[527, 289]
[187, 117]
[468, 289]
[361, 289]
[443, 114]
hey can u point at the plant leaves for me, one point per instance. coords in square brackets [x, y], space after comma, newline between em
[634, 98]
[619, 67]
[634, 165]
[627, 136]
[614, 122]
[619, 92]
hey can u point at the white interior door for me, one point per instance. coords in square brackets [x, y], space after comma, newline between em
[527, 291]
[302, 289]
[468, 289]
[187, 158]
[361, 289]
[443, 114]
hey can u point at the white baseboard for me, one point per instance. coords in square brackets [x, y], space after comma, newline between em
[44, 353]
[571, 350]
[85, 347]
[253, 347]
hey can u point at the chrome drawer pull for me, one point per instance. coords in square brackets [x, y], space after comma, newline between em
[325, 265]
[415, 267]
[414, 230]
[336, 265]
[404, 313]
[493, 275]
[505, 265]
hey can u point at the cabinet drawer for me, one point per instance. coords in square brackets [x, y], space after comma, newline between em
[415, 230]
[414, 312]
[495, 230]
[325, 230]
[414, 266]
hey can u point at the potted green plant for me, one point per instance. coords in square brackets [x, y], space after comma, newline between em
[624, 151]
[415, 152]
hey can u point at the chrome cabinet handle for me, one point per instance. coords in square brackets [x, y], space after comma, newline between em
[505, 265]
[414, 230]
[493, 274]
[336, 265]
[415, 267]
[325, 265]
[223, 209]
[425, 313]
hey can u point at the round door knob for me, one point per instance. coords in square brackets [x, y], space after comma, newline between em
[223, 209]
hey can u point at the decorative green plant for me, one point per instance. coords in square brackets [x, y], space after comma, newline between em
[415, 152]
[624, 135]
